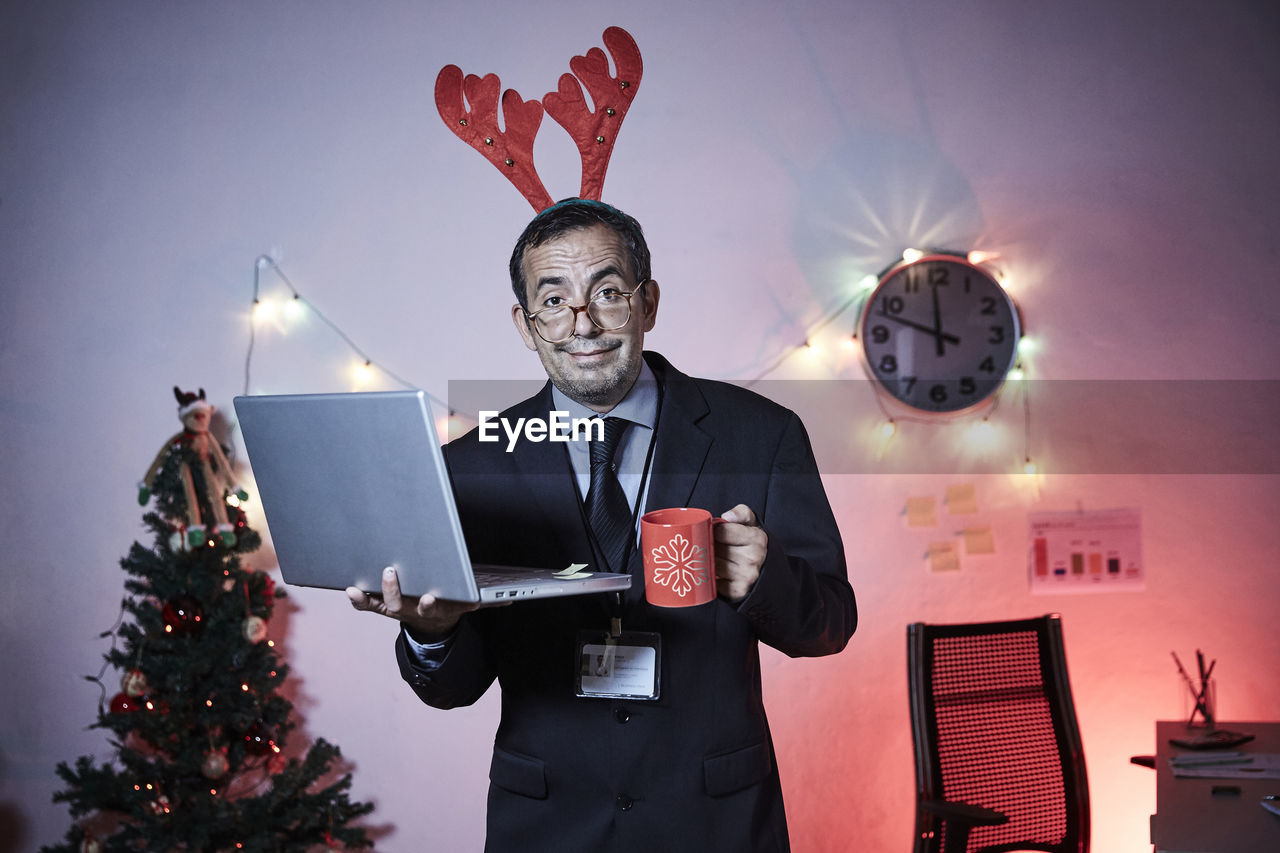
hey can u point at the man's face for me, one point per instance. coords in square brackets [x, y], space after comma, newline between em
[593, 367]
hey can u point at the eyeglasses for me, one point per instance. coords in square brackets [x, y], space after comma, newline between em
[609, 310]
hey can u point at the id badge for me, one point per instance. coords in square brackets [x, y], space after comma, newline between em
[626, 666]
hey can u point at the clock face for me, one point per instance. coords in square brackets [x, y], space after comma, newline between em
[939, 334]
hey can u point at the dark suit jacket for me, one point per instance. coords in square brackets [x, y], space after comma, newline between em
[694, 770]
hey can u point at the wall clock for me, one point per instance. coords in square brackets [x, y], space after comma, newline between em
[939, 334]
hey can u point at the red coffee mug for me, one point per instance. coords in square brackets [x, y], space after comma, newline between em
[679, 556]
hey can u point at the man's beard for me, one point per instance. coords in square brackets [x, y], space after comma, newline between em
[600, 389]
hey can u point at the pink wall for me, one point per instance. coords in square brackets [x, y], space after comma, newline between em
[1120, 159]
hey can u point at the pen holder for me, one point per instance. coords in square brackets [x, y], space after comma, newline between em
[1202, 710]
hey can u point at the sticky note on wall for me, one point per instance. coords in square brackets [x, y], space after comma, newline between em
[943, 557]
[978, 540]
[962, 499]
[922, 512]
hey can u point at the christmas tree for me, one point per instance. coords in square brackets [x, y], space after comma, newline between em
[199, 726]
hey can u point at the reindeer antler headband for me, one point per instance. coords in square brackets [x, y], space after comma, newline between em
[594, 131]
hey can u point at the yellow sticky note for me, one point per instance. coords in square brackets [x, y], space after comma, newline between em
[978, 540]
[922, 512]
[962, 499]
[572, 572]
[943, 557]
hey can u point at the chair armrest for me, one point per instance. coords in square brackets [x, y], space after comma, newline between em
[964, 813]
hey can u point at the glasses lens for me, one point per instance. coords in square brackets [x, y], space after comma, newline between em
[609, 311]
[555, 324]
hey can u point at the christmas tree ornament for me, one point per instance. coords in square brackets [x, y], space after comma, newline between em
[255, 629]
[276, 764]
[183, 614]
[160, 805]
[89, 844]
[133, 683]
[204, 475]
[215, 764]
[122, 703]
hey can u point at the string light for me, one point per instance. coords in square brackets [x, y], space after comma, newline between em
[362, 374]
[290, 311]
[293, 309]
[363, 371]
[264, 308]
[884, 435]
[981, 435]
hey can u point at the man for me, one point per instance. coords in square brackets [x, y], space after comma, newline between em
[694, 768]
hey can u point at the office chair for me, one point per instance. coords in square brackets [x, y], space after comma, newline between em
[999, 765]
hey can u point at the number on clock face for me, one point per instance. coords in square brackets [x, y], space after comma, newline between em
[939, 333]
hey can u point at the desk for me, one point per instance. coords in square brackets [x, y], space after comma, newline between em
[1190, 818]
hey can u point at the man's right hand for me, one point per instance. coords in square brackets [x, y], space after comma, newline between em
[430, 619]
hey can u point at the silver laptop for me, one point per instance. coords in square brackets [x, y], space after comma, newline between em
[353, 483]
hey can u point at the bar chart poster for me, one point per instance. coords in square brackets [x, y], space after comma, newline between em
[1085, 551]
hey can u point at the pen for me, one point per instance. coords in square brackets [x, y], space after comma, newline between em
[1183, 672]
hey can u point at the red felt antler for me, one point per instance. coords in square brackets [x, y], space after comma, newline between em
[510, 150]
[595, 132]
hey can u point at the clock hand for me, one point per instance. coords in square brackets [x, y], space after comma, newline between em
[937, 324]
[937, 333]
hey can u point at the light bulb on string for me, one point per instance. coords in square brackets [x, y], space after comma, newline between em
[912, 255]
[292, 309]
[264, 310]
[362, 373]
[977, 256]
[883, 436]
[981, 436]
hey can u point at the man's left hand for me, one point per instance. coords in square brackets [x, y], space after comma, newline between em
[740, 548]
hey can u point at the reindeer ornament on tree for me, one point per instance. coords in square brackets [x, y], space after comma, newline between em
[195, 504]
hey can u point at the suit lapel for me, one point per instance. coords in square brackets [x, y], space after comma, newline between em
[682, 447]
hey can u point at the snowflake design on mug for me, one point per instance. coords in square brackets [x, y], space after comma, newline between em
[680, 565]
